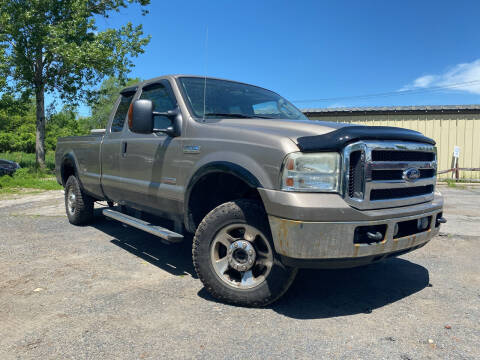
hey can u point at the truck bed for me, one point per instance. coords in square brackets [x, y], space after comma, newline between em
[84, 153]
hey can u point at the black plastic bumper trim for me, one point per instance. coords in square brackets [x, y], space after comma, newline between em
[343, 263]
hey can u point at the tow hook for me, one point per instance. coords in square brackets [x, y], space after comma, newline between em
[441, 220]
[376, 236]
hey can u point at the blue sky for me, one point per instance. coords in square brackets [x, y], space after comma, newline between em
[329, 50]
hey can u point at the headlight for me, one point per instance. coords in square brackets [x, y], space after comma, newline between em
[318, 172]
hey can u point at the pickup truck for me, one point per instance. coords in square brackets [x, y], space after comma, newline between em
[263, 190]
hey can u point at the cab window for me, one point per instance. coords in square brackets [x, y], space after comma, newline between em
[162, 102]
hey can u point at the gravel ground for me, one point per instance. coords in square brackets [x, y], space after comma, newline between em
[110, 292]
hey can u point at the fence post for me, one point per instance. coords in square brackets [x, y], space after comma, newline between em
[457, 172]
[456, 156]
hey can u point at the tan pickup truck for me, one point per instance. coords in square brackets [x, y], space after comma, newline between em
[263, 190]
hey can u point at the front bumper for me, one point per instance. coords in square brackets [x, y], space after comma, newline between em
[329, 239]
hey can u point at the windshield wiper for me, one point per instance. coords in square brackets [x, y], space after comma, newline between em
[241, 116]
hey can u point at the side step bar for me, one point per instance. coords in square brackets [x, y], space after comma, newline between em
[159, 231]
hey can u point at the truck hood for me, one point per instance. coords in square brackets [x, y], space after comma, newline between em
[313, 135]
[292, 129]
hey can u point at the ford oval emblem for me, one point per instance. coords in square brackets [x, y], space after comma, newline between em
[411, 174]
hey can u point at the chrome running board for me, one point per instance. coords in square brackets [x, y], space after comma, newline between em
[159, 231]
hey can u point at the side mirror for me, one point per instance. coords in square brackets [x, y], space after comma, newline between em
[142, 116]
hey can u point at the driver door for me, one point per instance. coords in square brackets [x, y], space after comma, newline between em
[147, 162]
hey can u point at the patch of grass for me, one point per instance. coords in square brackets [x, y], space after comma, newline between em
[7, 193]
[451, 183]
[28, 178]
[455, 184]
[27, 160]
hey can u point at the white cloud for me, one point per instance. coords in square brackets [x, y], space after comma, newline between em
[424, 81]
[467, 74]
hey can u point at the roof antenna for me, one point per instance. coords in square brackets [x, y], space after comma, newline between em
[205, 79]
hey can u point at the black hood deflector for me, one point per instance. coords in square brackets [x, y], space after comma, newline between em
[337, 139]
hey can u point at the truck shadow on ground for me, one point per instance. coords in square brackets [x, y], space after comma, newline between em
[333, 293]
[317, 294]
[314, 294]
[175, 259]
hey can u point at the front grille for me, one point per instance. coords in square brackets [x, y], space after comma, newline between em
[376, 176]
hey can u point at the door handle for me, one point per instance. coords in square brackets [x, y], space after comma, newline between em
[124, 148]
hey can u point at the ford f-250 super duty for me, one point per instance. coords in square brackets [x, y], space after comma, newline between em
[264, 190]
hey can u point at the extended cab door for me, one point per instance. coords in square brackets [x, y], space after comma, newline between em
[112, 148]
[149, 165]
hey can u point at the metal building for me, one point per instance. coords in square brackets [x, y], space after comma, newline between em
[449, 125]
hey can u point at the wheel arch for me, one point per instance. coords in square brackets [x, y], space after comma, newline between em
[68, 167]
[218, 169]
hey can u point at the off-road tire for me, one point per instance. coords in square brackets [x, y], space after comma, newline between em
[248, 212]
[83, 204]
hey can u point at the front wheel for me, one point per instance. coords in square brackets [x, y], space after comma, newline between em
[234, 256]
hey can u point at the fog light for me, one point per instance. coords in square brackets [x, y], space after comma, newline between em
[422, 224]
[395, 230]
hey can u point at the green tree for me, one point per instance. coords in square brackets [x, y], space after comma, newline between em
[17, 125]
[62, 123]
[102, 104]
[54, 46]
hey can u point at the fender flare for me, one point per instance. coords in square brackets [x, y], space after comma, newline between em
[216, 167]
[68, 157]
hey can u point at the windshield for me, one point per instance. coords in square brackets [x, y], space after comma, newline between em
[231, 99]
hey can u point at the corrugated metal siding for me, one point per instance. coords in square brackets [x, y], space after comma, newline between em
[448, 130]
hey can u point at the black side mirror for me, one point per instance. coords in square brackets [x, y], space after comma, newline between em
[142, 116]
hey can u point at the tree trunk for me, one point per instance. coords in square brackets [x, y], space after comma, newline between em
[40, 133]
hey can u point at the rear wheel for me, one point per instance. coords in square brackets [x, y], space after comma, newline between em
[78, 205]
[234, 256]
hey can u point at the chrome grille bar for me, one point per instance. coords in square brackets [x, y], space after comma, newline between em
[395, 192]
[400, 165]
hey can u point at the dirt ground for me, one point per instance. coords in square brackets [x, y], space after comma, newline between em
[109, 292]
